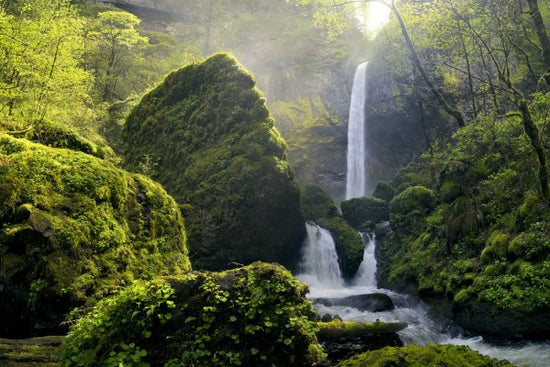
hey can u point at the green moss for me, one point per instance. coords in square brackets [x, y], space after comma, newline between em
[52, 135]
[414, 198]
[76, 228]
[421, 356]
[249, 316]
[34, 352]
[384, 191]
[363, 213]
[338, 329]
[317, 203]
[349, 245]
[215, 148]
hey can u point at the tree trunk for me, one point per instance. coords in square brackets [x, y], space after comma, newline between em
[416, 60]
[533, 133]
[542, 36]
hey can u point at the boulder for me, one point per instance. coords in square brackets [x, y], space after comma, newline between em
[342, 339]
[75, 228]
[363, 213]
[421, 356]
[206, 134]
[251, 316]
[372, 302]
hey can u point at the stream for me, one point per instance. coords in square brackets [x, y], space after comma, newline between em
[319, 269]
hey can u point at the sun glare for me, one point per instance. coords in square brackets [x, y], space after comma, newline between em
[373, 17]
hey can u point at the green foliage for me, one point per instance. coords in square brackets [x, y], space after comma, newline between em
[244, 317]
[420, 356]
[364, 213]
[483, 238]
[216, 151]
[384, 191]
[75, 228]
[409, 206]
[41, 50]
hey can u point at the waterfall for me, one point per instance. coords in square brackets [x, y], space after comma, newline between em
[355, 175]
[366, 274]
[319, 266]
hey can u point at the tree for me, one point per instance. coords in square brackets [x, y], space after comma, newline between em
[116, 45]
[41, 47]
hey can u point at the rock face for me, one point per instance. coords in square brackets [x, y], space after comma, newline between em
[211, 142]
[373, 302]
[250, 316]
[74, 229]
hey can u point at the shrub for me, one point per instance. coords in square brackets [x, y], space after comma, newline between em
[251, 316]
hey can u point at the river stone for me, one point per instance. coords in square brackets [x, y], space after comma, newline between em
[372, 302]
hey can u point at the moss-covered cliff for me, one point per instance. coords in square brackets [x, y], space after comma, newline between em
[209, 139]
[252, 316]
[470, 223]
[73, 229]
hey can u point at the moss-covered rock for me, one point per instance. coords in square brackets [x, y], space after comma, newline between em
[364, 213]
[338, 329]
[317, 203]
[409, 206]
[343, 339]
[206, 134]
[52, 135]
[250, 316]
[319, 207]
[33, 352]
[421, 356]
[384, 191]
[75, 228]
[348, 242]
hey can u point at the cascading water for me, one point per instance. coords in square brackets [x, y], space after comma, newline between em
[319, 269]
[366, 274]
[355, 179]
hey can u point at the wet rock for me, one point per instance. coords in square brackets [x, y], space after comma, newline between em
[342, 339]
[373, 302]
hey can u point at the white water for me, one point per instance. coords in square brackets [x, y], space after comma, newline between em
[422, 329]
[319, 266]
[355, 176]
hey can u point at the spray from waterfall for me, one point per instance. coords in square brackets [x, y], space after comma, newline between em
[355, 176]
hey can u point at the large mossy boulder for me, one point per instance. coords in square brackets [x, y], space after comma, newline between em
[319, 207]
[421, 356]
[73, 229]
[206, 134]
[343, 339]
[251, 316]
[364, 213]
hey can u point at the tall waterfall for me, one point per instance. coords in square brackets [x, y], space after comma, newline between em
[355, 176]
[319, 266]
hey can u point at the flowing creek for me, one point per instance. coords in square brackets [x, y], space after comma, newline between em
[319, 269]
